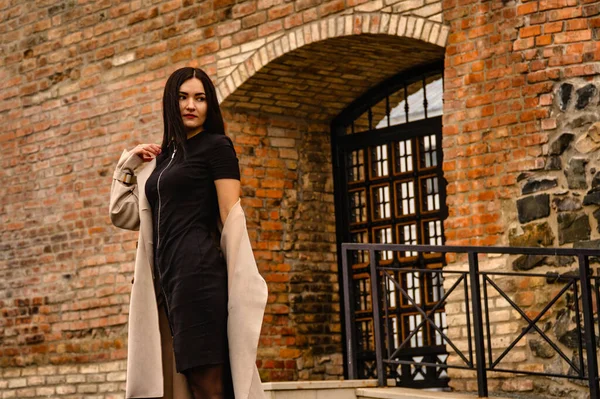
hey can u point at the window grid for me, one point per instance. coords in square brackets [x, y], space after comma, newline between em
[428, 151]
[403, 156]
[390, 185]
[405, 198]
[358, 206]
[381, 202]
[356, 166]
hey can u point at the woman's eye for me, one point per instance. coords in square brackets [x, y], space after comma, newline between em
[181, 97]
[201, 99]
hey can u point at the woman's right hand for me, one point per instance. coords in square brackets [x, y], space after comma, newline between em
[147, 152]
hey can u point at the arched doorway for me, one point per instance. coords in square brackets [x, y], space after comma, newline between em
[390, 189]
[279, 116]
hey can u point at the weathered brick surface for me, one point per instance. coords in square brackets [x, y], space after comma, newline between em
[507, 64]
[288, 192]
[81, 81]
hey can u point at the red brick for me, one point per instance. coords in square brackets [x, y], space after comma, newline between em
[254, 20]
[280, 11]
[269, 28]
[530, 31]
[243, 9]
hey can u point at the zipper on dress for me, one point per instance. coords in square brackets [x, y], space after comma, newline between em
[158, 242]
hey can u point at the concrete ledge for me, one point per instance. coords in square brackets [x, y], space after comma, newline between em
[406, 393]
[331, 389]
[327, 384]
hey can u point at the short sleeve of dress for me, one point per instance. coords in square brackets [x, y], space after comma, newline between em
[222, 159]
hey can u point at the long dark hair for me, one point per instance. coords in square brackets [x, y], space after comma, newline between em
[174, 130]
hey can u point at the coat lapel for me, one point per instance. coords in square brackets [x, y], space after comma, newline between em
[146, 213]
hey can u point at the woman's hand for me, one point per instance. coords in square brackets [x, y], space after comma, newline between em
[147, 152]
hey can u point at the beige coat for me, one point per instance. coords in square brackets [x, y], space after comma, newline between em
[150, 360]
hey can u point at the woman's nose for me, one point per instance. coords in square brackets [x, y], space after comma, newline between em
[190, 104]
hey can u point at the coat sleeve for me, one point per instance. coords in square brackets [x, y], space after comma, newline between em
[123, 208]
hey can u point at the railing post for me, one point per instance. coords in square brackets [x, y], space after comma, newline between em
[350, 340]
[588, 326]
[378, 338]
[482, 387]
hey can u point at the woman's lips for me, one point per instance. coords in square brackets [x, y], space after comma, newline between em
[190, 116]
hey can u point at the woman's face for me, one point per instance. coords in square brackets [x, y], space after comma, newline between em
[192, 105]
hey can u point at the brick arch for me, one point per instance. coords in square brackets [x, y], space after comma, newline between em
[375, 23]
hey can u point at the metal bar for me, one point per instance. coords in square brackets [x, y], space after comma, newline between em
[386, 328]
[482, 387]
[588, 326]
[468, 317]
[578, 322]
[597, 289]
[532, 324]
[486, 250]
[487, 320]
[381, 377]
[350, 339]
[427, 318]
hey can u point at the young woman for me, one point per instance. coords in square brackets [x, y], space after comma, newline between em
[186, 309]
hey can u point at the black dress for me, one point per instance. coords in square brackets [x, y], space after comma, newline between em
[188, 261]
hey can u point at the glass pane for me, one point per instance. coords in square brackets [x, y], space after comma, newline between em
[383, 235]
[381, 114]
[437, 287]
[410, 324]
[433, 232]
[403, 156]
[379, 161]
[407, 235]
[365, 335]
[358, 206]
[435, 96]
[431, 194]
[390, 289]
[356, 166]
[440, 320]
[362, 294]
[412, 285]
[381, 202]
[361, 237]
[395, 332]
[433, 93]
[405, 198]
[428, 151]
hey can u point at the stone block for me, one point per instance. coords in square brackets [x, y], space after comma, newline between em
[573, 227]
[584, 95]
[528, 262]
[564, 93]
[561, 144]
[566, 204]
[533, 207]
[539, 184]
[575, 173]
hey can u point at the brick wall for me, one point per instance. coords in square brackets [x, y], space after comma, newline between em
[81, 81]
[288, 197]
[520, 107]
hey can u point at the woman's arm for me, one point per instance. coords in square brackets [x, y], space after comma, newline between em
[228, 193]
[123, 207]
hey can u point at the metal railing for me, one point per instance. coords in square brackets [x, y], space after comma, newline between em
[475, 282]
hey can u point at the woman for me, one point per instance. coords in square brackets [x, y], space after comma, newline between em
[187, 311]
